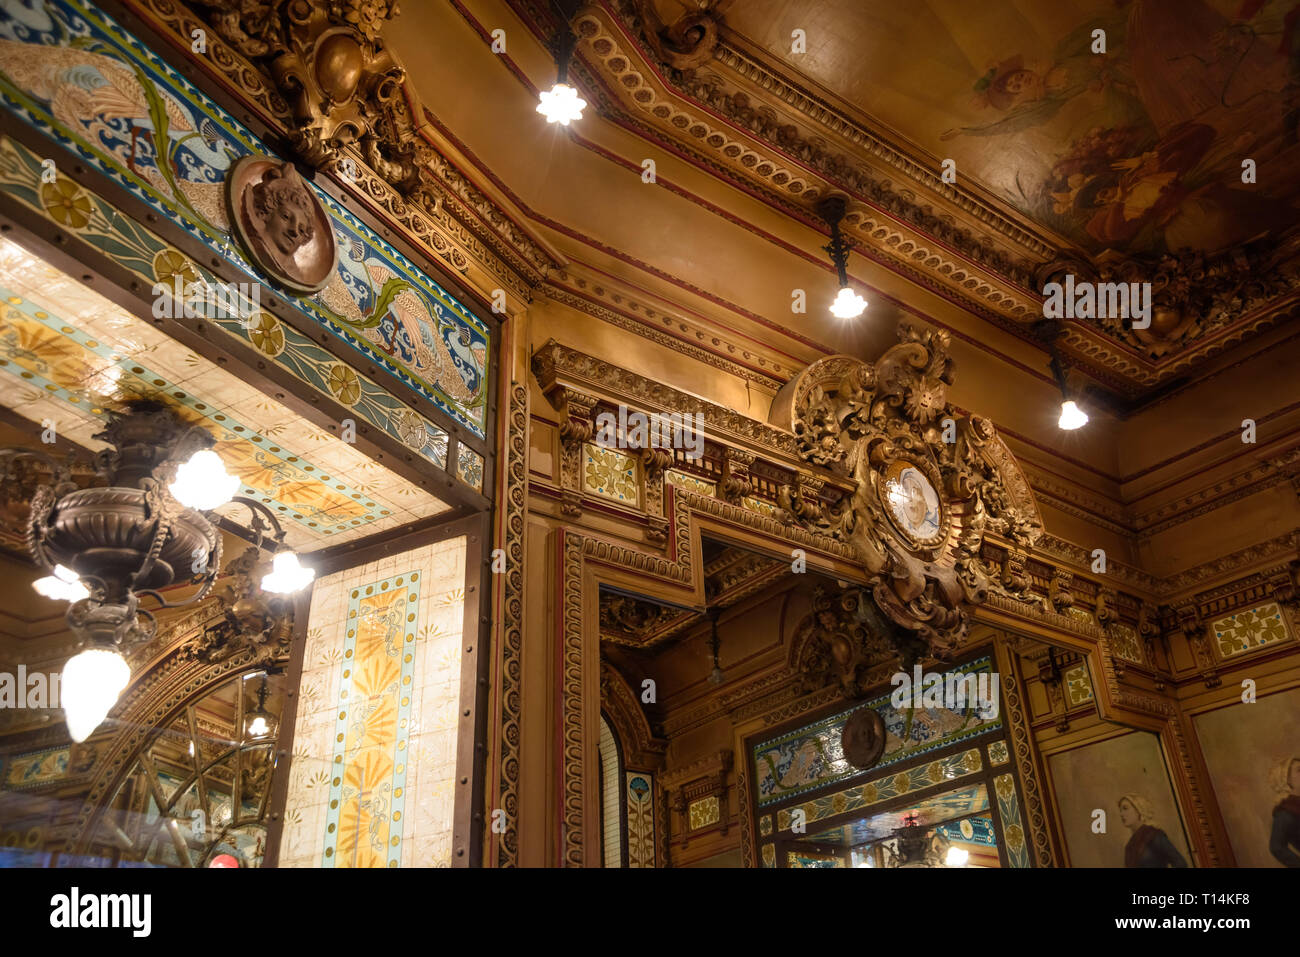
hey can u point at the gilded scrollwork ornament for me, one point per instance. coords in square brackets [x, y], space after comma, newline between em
[329, 63]
[930, 482]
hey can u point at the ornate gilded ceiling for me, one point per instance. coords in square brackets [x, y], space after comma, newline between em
[1116, 166]
[68, 356]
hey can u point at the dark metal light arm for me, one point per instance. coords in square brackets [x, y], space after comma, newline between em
[832, 210]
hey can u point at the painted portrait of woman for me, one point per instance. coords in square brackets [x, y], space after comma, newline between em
[1284, 839]
[1149, 846]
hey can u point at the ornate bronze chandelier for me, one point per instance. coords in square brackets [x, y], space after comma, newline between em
[108, 547]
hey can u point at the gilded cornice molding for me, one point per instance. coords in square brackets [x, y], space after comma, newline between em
[561, 369]
[795, 169]
[678, 343]
[365, 132]
[956, 244]
[558, 365]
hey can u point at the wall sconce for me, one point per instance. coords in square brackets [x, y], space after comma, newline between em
[260, 723]
[848, 304]
[109, 547]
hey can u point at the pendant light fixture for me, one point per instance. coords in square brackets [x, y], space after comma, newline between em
[561, 103]
[108, 547]
[848, 304]
[1072, 417]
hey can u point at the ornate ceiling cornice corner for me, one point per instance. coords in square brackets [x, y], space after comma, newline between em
[747, 122]
[901, 229]
[321, 75]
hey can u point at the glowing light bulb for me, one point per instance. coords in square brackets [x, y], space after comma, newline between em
[1072, 417]
[63, 585]
[561, 104]
[258, 727]
[287, 575]
[203, 483]
[957, 857]
[848, 304]
[91, 682]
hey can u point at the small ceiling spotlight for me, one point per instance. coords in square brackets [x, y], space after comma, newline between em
[848, 304]
[561, 103]
[1072, 417]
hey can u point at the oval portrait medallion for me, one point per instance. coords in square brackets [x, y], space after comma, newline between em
[912, 503]
[281, 224]
[863, 738]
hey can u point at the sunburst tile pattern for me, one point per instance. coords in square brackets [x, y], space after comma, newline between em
[68, 356]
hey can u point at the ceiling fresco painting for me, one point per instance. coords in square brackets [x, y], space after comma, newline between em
[1138, 148]
[169, 144]
[69, 356]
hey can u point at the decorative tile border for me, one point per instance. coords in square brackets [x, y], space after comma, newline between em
[100, 226]
[980, 830]
[1013, 832]
[35, 768]
[885, 788]
[368, 790]
[377, 299]
[812, 756]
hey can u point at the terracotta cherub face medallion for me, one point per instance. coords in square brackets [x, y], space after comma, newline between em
[282, 224]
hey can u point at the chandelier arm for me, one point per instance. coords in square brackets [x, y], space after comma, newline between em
[38, 516]
[258, 509]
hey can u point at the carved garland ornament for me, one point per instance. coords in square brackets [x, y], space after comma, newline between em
[930, 481]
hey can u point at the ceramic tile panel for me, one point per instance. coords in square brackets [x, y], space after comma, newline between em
[1124, 643]
[640, 819]
[80, 367]
[691, 483]
[610, 473]
[374, 754]
[147, 256]
[703, 812]
[1078, 685]
[469, 467]
[812, 756]
[1247, 630]
[378, 302]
